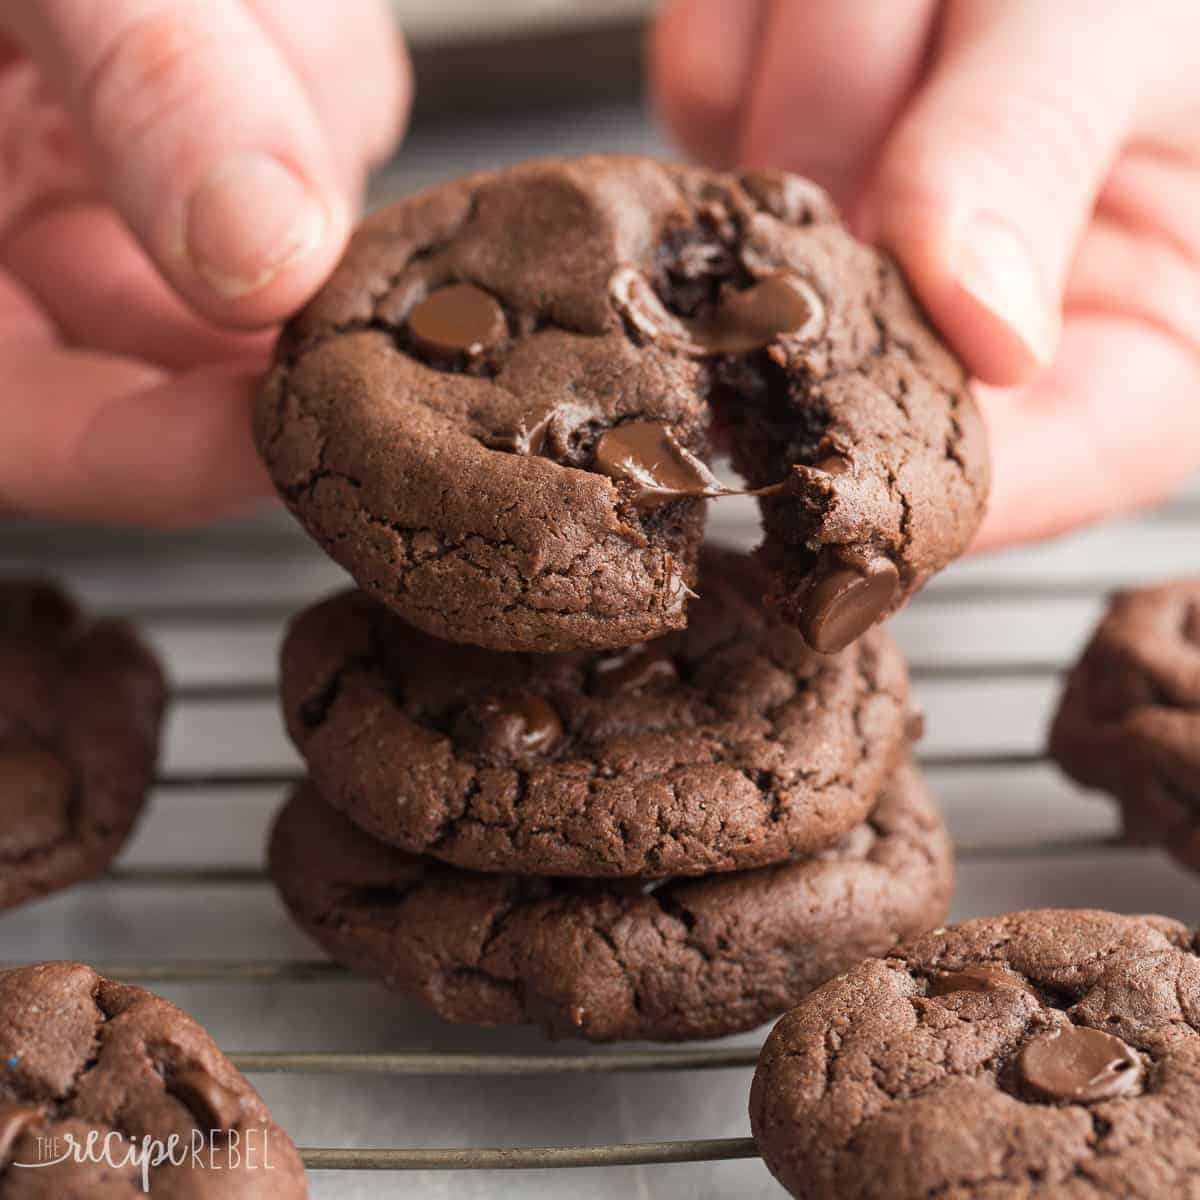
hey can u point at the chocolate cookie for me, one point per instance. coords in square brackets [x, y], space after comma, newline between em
[1129, 719]
[1041, 1054]
[91, 1068]
[496, 413]
[690, 958]
[727, 745]
[80, 710]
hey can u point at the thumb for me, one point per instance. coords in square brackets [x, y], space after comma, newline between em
[205, 142]
[989, 179]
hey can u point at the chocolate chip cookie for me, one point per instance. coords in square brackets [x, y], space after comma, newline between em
[689, 958]
[1129, 720]
[80, 709]
[727, 745]
[90, 1068]
[1041, 1054]
[496, 414]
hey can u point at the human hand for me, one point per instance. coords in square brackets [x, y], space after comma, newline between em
[170, 171]
[1036, 169]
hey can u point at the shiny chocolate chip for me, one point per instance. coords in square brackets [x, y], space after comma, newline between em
[978, 979]
[649, 456]
[753, 318]
[459, 319]
[845, 600]
[1079, 1064]
[631, 670]
[512, 726]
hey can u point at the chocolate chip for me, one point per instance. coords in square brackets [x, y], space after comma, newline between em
[753, 318]
[631, 670]
[15, 1119]
[509, 727]
[744, 320]
[978, 979]
[648, 456]
[529, 435]
[914, 726]
[212, 1104]
[637, 301]
[1079, 1064]
[845, 600]
[460, 319]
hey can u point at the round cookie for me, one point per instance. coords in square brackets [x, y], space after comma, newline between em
[690, 958]
[496, 413]
[80, 710]
[1129, 719]
[1048, 1054]
[724, 746]
[85, 1058]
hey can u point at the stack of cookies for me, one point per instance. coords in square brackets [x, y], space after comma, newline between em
[565, 765]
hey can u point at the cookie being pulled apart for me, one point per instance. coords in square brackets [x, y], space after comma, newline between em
[496, 414]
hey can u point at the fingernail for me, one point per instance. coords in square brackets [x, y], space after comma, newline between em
[996, 269]
[249, 219]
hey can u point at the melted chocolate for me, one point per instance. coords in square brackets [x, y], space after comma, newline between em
[631, 670]
[511, 726]
[1079, 1064]
[648, 456]
[845, 600]
[752, 319]
[743, 321]
[460, 319]
[978, 979]
[212, 1104]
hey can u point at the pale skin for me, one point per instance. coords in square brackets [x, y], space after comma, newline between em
[176, 176]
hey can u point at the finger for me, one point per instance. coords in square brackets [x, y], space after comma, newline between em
[1122, 272]
[701, 57]
[989, 179]
[205, 141]
[97, 285]
[21, 321]
[356, 71]
[1113, 426]
[828, 84]
[105, 438]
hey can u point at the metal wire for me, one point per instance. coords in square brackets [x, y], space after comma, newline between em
[533, 1157]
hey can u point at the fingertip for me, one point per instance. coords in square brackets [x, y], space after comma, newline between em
[977, 282]
[256, 239]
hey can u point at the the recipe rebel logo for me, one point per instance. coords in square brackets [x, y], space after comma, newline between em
[219, 1150]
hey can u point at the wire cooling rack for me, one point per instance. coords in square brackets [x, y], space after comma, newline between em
[189, 912]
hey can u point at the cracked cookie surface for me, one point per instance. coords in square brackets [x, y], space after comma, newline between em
[1129, 719]
[727, 745]
[83, 1057]
[80, 713]
[496, 413]
[690, 958]
[1051, 1053]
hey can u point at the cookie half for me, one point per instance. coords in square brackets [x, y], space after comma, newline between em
[689, 958]
[1047, 1054]
[1129, 719]
[94, 1070]
[80, 712]
[496, 413]
[725, 746]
